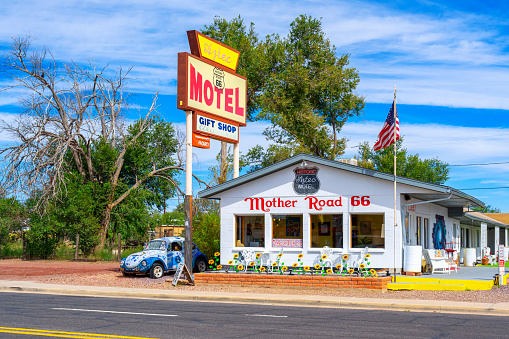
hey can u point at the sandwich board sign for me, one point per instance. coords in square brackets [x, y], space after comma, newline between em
[182, 268]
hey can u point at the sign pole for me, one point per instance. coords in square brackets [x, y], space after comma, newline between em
[188, 200]
[236, 157]
[395, 223]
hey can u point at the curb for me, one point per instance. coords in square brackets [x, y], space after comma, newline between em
[408, 305]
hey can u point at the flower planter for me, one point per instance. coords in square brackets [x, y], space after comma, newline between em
[485, 261]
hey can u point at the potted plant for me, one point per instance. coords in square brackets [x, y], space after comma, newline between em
[485, 260]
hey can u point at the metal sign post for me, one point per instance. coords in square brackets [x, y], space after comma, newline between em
[501, 265]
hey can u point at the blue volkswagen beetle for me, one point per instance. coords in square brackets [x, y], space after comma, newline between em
[160, 256]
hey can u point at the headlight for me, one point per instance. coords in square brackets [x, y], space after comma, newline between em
[122, 263]
[144, 263]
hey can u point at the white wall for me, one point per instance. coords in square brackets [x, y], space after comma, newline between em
[335, 183]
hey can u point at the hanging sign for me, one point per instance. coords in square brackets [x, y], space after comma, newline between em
[201, 142]
[306, 180]
[202, 86]
[208, 48]
[213, 127]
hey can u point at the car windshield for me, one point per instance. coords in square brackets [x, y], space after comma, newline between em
[156, 245]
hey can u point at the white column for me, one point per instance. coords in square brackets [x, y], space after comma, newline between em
[506, 244]
[189, 153]
[497, 239]
[236, 157]
[484, 235]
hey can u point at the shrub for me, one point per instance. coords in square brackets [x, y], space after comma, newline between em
[130, 251]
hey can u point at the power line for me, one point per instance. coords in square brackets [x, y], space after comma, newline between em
[482, 188]
[485, 164]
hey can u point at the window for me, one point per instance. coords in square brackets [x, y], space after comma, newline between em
[287, 231]
[368, 230]
[327, 230]
[250, 231]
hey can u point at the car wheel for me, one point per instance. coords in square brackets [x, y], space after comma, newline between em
[156, 271]
[201, 265]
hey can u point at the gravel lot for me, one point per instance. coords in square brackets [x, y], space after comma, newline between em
[108, 274]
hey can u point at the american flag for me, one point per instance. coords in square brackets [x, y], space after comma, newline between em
[386, 135]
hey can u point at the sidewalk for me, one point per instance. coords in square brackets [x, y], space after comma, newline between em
[439, 306]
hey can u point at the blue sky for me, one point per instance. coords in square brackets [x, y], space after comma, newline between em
[448, 59]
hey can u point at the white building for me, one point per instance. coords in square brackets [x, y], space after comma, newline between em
[305, 203]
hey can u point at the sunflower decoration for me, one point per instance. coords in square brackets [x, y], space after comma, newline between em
[372, 271]
[295, 264]
[274, 264]
[280, 255]
[306, 268]
[258, 255]
[367, 255]
[338, 266]
[300, 256]
[362, 265]
[236, 255]
[240, 267]
[350, 271]
[230, 262]
[317, 266]
[346, 256]
[284, 268]
[211, 262]
[262, 269]
[324, 257]
[329, 271]
[252, 263]
[219, 267]
[217, 254]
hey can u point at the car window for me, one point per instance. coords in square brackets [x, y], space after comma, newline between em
[156, 245]
[176, 246]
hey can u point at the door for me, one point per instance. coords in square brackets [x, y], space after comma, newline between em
[419, 234]
[175, 256]
[412, 229]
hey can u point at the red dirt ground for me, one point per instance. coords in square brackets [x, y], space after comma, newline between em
[14, 267]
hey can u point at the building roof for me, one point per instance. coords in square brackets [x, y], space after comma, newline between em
[475, 219]
[457, 199]
[502, 217]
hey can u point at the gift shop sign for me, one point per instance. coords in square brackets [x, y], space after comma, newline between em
[202, 86]
[312, 203]
[215, 128]
[205, 47]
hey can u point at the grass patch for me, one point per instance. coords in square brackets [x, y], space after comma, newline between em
[12, 250]
[130, 251]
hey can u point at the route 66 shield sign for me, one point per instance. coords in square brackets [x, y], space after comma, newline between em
[218, 78]
[306, 180]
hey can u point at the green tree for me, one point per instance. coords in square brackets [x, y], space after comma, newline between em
[486, 209]
[408, 165]
[74, 132]
[12, 218]
[298, 83]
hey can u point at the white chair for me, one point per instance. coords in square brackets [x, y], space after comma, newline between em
[265, 261]
[325, 251]
[276, 261]
[338, 262]
[436, 262]
[356, 265]
[248, 257]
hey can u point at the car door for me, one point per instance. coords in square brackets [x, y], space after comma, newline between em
[175, 256]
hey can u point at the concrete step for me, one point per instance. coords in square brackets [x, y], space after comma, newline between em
[425, 287]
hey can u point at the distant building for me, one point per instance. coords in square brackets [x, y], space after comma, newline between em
[168, 231]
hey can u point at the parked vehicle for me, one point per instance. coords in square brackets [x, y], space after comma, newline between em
[160, 256]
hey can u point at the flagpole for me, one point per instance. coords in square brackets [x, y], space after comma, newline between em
[395, 223]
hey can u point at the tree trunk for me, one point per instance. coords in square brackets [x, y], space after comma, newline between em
[105, 223]
[223, 171]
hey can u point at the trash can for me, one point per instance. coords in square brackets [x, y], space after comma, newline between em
[469, 257]
[413, 261]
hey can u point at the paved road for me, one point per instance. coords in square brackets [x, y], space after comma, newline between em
[178, 319]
